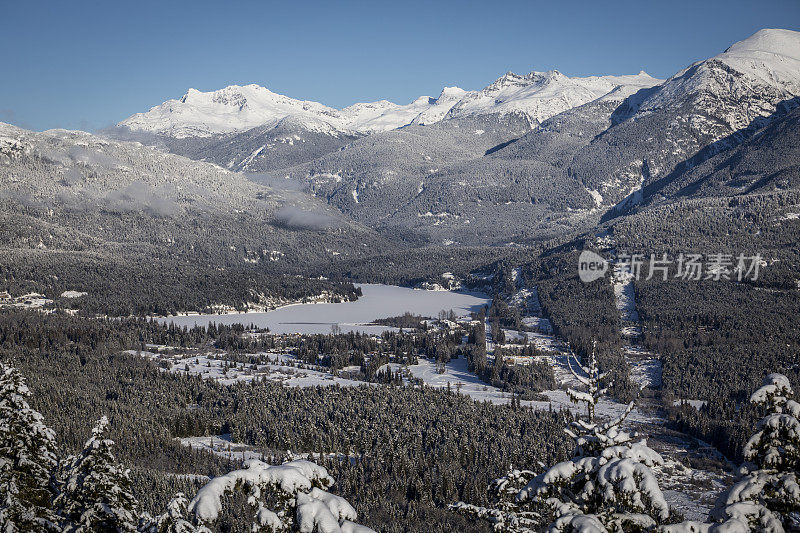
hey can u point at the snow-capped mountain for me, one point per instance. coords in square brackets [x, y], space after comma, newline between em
[708, 107]
[537, 96]
[385, 116]
[537, 147]
[541, 95]
[232, 109]
[747, 80]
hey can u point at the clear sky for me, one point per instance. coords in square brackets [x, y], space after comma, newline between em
[86, 65]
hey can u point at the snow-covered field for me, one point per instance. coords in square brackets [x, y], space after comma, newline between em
[26, 301]
[459, 378]
[222, 446]
[465, 382]
[378, 301]
[645, 366]
[283, 370]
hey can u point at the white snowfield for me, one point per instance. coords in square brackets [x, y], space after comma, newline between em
[73, 294]
[538, 96]
[459, 379]
[541, 95]
[239, 452]
[222, 446]
[377, 301]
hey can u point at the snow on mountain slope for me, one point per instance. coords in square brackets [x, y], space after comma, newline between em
[385, 116]
[541, 95]
[709, 107]
[77, 169]
[440, 107]
[777, 49]
[235, 108]
[743, 83]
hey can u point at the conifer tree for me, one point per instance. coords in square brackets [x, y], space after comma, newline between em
[173, 520]
[607, 486]
[96, 494]
[284, 498]
[27, 459]
[767, 497]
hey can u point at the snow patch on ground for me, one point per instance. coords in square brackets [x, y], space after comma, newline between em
[645, 366]
[222, 446]
[462, 380]
[596, 196]
[459, 379]
[697, 404]
[625, 294]
[32, 300]
[73, 294]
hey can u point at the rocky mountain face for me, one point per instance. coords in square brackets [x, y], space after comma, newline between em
[706, 108]
[768, 162]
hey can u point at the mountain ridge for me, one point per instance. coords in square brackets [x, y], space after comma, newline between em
[236, 108]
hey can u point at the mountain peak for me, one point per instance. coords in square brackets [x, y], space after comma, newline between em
[772, 41]
[237, 108]
[450, 92]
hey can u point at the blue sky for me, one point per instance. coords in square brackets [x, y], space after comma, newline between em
[86, 65]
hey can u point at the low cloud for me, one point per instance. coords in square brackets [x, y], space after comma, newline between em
[296, 218]
[139, 196]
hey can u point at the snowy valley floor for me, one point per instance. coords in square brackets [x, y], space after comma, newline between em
[693, 475]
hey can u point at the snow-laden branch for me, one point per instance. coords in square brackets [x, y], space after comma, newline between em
[297, 486]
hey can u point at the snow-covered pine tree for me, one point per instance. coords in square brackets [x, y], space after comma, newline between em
[607, 486]
[287, 497]
[27, 459]
[95, 495]
[173, 520]
[767, 495]
[506, 514]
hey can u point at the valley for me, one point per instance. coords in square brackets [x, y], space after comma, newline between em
[284, 316]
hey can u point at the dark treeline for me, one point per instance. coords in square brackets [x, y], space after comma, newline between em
[77, 371]
[748, 224]
[121, 286]
[412, 266]
[412, 450]
[715, 340]
[407, 321]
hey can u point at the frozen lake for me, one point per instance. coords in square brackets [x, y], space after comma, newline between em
[378, 301]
